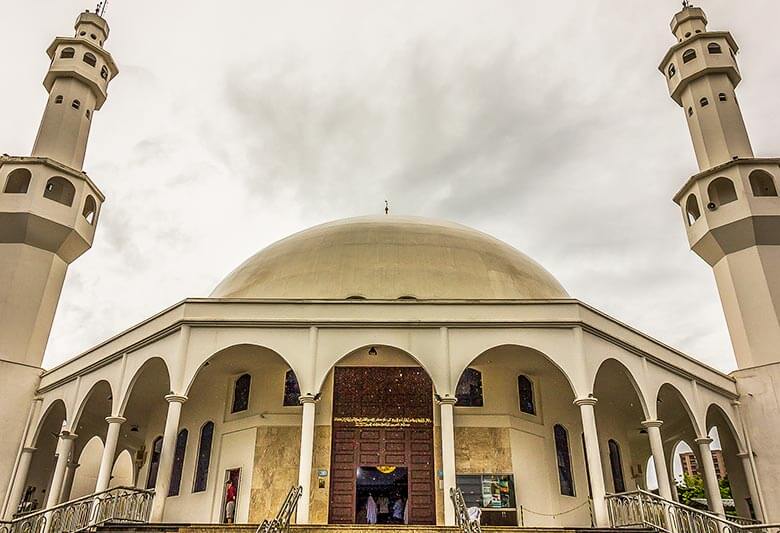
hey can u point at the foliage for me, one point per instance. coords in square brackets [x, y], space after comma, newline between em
[693, 487]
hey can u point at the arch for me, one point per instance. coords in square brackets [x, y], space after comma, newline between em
[721, 191]
[292, 389]
[101, 395]
[18, 181]
[563, 459]
[152, 367]
[526, 395]
[154, 462]
[762, 183]
[204, 457]
[689, 55]
[60, 190]
[90, 209]
[56, 412]
[123, 471]
[731, 448]
[616, 466]
[90, 59]
[716, 416]
[469, 389]
[67, 53]
[178, 462]
[714, 48]
[669, 400]
[672, 70]
[617, 366]
[86, 474]
[104, 72]
[692, 211]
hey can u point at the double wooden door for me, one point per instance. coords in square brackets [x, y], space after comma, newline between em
[382, 416]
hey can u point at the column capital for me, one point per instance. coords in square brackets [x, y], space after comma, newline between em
[743, 455]
[71, 464]
[67, 435]
[579, 402]
[652, 423]
[735, 403]
[703, 440]
[446, 400]
[28, 449]
[175, 398]
[309, 398]
[116, 419]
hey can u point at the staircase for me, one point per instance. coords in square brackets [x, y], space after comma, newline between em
[248, 528]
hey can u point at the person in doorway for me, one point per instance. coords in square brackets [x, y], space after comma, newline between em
[383, 509]
[371, 514]
[230, 502]
[398, 511]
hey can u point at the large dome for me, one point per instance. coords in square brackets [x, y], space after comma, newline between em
[387, 258]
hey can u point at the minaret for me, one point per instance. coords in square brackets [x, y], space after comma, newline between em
[49, 209]
[731, 212]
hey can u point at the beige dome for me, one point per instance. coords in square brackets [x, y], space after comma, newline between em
[390, 257]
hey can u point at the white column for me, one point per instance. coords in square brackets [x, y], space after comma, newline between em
[446, 408]
[653, 428]
[64, 447]
[747, 466]
[598, 491]
[309, 402]
[67, 485]
[710, 477]
[109, 451]
[163, 483]
[20, 482]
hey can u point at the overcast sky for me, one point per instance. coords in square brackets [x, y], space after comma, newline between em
[234, 124]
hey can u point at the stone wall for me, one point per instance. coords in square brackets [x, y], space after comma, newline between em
[483, 450]
[277, 452]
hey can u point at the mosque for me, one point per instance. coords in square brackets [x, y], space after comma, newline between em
[386, 356]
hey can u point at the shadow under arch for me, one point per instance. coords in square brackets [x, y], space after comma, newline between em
[614, 367]
[526, 355]
[363, 356]
[153, 368]
[731, 451]
[99, 397]
[670, 403]
[51, 420]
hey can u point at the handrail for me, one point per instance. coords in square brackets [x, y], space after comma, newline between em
[462, 519]
[640, 508]
[117, 504]
[281, 523]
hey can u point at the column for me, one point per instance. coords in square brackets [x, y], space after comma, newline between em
[109, 451]
[751, 484]
[653, 428]
[64, 447]
[446, 409]
[588, 415]
[307, 453]
[20, 482]
[67, 485]
[163, 483]
[710, 477]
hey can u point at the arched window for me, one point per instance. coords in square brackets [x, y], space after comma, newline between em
[67, 53]
[689, 55]
[90, 59]
[89, 113]
[204, 457]
[154, 463]
[104, 72]
[60, 190]
[90, 208]
[616, 466]
[692, 209]
[18, 181]
[469, 389]
[714, 48]
[672, 70]
[721, 191]
[690, 111]
[292, 391]
[722, 97]
[178, 462]
[563, 456]
[241, 393]
[76, 104]
[58, 99]
[762, 183]
[704, 102]
[525, 388]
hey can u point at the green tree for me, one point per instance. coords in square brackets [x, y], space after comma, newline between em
[691, 487]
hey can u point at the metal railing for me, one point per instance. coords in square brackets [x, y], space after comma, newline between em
[642, 509]
[281, 524]
[119, 504]
[462, 519]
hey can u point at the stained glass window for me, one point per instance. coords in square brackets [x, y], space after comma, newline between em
[616, 466]
[241, 393]
[526, 390]
[154, 463]
[563, 456]
[292, 391]
[204, 457]
[469, 389]
[178, 462]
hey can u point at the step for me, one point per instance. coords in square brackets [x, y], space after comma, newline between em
[251, 528]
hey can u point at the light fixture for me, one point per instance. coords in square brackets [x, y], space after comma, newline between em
[372, 351]
[134, 428]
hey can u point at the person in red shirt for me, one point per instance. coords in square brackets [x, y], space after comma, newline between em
[230, 501]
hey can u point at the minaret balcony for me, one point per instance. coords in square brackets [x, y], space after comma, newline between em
[732, 207]
[47, 205]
